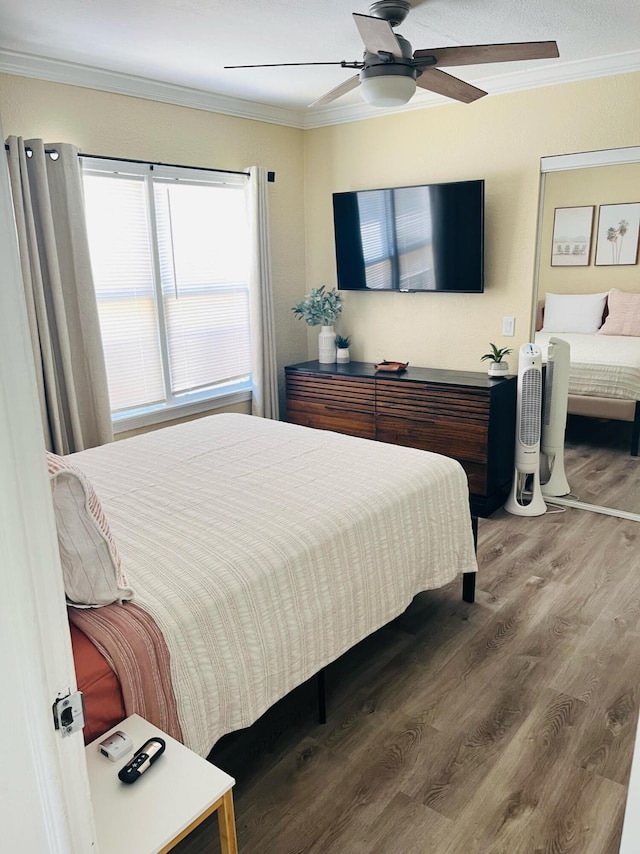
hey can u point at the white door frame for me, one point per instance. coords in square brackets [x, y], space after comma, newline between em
[45, 805]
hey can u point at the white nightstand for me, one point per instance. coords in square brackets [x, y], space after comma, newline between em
[172, 798]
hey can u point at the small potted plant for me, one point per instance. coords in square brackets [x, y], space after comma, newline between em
[321, 308]
[342, 345]
[497, 368]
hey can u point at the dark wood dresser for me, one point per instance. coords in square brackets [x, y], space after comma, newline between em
[467, 416]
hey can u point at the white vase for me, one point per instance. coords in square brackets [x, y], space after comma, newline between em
[342, 355]
[326, 345]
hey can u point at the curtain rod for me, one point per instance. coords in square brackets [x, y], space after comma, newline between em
[271, 176]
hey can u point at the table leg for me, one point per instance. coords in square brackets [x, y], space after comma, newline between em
[227, 825]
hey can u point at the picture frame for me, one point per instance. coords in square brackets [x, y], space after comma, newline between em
[571, 240]
[617, 234]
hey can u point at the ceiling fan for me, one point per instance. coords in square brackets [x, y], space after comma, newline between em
[389, 72]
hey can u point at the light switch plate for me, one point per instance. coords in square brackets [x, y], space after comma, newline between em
[508, 326]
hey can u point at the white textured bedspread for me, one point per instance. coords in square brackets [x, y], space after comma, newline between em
[601, 365]
[265, 550]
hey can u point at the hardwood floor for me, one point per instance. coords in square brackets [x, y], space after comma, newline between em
[599, 467]
[503, 727]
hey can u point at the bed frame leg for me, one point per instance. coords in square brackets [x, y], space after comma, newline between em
[322, 696]
[469, 586]
[635, 432]
[469, 578]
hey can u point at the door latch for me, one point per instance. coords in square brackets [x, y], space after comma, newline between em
[68, 713]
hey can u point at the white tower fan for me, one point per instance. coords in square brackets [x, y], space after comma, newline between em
[554, 416]
[526, 496]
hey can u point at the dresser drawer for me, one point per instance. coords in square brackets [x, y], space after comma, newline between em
[453, 438]
[350, 393]
[328, 417]
[342, 404]
[423, 402]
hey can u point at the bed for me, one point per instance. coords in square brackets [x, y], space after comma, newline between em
[603, 332]
[260, 552]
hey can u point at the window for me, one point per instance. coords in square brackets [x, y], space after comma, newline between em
[170, 256]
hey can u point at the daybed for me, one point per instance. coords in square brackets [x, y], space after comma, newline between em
[257, 552]
[603, 332]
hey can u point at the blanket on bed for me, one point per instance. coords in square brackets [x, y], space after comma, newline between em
[134, 647]
[265, 550]
[601, 365]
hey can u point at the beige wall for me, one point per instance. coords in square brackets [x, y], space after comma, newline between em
[122, 126]
[595, 186]
[500, 139]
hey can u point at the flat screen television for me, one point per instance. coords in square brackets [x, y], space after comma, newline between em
[428, 238]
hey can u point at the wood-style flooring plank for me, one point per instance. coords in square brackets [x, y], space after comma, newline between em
[599, 467]
[524, 807]
[404, 825]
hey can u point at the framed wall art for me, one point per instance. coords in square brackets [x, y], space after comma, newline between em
[618, 228]
[571, 243]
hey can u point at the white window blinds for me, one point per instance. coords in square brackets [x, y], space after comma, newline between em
[170, 254]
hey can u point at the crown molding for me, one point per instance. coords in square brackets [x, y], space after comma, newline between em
[74, 74]
[88, 77]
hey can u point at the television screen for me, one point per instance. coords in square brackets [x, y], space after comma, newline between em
[426, 238]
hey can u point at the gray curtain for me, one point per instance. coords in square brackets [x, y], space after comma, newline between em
[264, 371]
[61, 304]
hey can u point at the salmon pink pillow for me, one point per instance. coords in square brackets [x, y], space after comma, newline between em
[624, 314]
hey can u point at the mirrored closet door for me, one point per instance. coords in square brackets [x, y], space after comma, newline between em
[587, 245]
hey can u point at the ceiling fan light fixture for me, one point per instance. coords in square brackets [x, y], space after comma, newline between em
[388, 86]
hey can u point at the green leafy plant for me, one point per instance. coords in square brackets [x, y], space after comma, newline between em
[343, 341]
[319, 307]
[497, 354]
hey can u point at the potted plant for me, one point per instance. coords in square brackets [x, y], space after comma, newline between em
[497, 368]
[321, 308]
[342, 345]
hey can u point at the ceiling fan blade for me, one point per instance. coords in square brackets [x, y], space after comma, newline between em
[344, 64]
[451, 87]
[377, 35]
[477, 54]
[337, 91]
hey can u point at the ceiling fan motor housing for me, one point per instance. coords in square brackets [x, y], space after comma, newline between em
[388, 69]
[394, 11]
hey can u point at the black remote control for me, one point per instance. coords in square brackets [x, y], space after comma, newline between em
[142, 760]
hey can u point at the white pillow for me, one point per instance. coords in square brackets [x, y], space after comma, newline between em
[93, 574]
[573, 312]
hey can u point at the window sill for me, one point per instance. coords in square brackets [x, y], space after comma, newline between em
[172, 413]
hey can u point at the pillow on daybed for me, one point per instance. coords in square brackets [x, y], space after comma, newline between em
[624, 314]
[91, 566]
[573, 312]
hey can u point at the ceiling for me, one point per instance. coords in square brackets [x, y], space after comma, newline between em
[184, 44]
